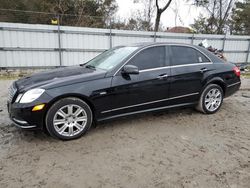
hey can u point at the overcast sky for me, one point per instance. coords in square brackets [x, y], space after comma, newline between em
[186, 12]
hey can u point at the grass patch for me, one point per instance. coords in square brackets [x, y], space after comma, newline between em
[245, 75]
[9, 77]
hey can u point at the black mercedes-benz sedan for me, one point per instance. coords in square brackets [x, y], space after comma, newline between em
[122, 81]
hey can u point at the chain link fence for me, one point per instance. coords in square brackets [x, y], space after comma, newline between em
[49, 40]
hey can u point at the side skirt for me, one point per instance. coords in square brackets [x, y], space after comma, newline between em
[147, 110]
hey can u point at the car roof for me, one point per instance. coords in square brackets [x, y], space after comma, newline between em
[146, 44]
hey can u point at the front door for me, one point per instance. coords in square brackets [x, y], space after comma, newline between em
[146, 90]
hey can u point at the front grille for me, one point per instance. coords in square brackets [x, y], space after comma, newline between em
[12, 92]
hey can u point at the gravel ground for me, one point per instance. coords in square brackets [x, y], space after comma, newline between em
[176, 148]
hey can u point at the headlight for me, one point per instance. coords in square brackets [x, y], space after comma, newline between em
[31, 95]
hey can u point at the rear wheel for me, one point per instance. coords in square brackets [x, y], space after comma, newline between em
[68, 118]
[211, 99]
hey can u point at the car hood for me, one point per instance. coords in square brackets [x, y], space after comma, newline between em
[59, 77]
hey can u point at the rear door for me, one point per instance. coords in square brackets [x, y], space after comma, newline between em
[188, 67]
[148, 89]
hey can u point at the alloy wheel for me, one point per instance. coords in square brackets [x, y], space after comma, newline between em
[70, 120]
[213, 99]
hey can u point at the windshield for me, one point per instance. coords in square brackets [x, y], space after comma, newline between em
[111, 58]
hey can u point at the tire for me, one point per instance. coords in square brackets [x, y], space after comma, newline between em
[211, 99]
[68, 118]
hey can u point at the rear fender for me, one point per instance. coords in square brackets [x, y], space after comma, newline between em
[216, 80]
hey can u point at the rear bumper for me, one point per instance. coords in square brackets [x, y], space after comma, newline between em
[232, 88]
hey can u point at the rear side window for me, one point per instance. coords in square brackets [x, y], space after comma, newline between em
[182, 55]
[149, 58]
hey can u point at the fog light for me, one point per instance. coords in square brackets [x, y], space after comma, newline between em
[38, 107]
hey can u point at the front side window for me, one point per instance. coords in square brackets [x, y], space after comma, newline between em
[111, 58]
[182, 55]
[149, 58]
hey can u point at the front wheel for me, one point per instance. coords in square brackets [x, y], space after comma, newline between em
[68, 118]
[211, 99]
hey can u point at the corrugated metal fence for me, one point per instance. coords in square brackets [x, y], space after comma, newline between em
[31, 45]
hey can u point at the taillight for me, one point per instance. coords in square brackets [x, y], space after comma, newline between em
[236, 71]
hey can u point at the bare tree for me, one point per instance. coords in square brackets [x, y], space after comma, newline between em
[176, 9]
[176, 12]
[144, 16]
[148, 13]
[218, 13]
[159, 12]
[224, 10]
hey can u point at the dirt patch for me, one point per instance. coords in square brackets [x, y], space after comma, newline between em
[176, 148]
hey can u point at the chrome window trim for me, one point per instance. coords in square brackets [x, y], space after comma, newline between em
[151, 102]
[155, 45]
[159, 68]
[176, 66]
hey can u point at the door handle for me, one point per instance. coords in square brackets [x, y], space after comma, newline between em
[203, 70]
[162, 76]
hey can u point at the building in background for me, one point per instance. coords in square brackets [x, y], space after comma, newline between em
[179, 29]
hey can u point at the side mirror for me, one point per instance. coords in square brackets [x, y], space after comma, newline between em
[130, 69]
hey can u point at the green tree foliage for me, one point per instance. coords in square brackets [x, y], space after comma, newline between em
[204, 25]
[88, 13]
[240, 20]
[136, 24]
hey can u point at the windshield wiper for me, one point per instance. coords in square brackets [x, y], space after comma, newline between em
[82, 64]
[90, 66]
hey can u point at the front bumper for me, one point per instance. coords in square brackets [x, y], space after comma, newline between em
[23, 117]
[23, 124]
